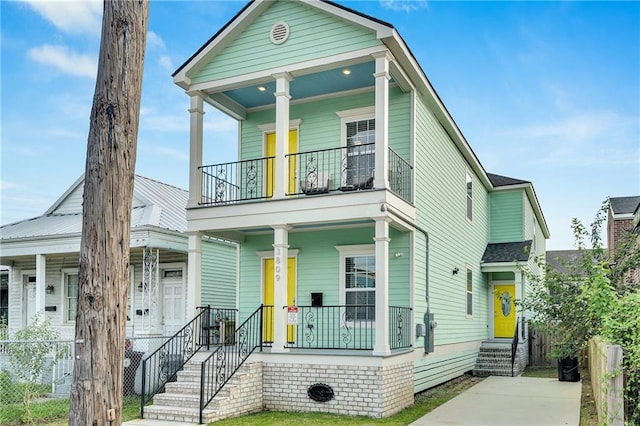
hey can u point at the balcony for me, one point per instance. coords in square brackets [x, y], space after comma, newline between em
[312, 173]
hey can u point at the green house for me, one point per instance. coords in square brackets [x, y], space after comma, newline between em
[377, 257]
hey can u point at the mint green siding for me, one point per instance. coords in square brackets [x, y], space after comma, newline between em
[320, 126]
[506, 216]
[253, 51]
[454, 242]
[218, 274]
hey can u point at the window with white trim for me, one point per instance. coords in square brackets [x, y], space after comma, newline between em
[358, 282]
[469, 195]
[70, 287]
[469, 292]
[360, 154]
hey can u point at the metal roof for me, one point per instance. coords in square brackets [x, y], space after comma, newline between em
[155, 204]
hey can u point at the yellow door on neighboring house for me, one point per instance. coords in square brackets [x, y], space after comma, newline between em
[269, 298]
[504, 310]
[270, 151]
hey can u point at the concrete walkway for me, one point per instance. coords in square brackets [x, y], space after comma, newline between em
[511, 401]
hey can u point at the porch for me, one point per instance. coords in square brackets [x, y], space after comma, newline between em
[342, 169]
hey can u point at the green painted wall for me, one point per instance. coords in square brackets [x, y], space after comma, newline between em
[454, 242]
[506, 216]
[218, 276]
[253, 51]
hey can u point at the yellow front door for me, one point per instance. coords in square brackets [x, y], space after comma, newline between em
[270, 151]
[504, 310]
[269, 298]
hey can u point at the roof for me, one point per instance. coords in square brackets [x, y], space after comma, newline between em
[507, 252]
[154, 204]
[497, 180]
[558, 259]
[624, 205]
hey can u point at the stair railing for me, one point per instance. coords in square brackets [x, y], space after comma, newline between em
[218, 368]
[163, 364]
[514, 345]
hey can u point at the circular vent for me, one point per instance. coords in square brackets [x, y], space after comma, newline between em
[279, 33]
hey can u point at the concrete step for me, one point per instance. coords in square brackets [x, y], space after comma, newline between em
[179, 414]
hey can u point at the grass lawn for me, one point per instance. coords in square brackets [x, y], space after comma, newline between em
[424, 402]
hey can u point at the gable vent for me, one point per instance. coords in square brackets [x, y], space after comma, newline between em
[279, 33]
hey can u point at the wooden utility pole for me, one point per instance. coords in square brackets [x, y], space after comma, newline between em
[96, 393]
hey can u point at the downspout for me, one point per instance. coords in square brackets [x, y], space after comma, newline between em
[429, 322]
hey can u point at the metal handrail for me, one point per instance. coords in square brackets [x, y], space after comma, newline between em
[218, 368]
[514, 344]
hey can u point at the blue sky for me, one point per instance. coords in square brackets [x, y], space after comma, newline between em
[543, 91]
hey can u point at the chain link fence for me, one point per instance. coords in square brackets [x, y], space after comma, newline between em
[36, 378]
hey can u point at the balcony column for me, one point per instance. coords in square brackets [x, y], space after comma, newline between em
[41, 282]
[281, 184]
[196, 114]
[382, 77]
[382, 287]
[194, 263]
[280, 280]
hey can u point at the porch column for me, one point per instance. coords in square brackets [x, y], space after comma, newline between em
[196, 114]
[382, 77]
[382, 287]
[41, 281]
[519, 295]
[280, 186]
[194, 259]
[280, 280]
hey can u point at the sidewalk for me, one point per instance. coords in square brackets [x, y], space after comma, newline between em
[511, 401]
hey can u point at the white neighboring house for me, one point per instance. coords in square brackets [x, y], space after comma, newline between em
[40, 261]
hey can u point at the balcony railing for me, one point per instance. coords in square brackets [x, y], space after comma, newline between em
[342, 169]
[238, 181]
[349, 327]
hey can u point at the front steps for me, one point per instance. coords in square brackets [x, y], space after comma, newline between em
[181, 399]
[494, 359]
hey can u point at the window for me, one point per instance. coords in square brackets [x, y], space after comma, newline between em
[469, 196]
[469, 292]
[358, 281]
[71, 294]
[360, 154]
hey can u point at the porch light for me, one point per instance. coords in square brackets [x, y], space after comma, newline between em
[346, 71]
[140, 287]
[455, 271]
[262, 88]
[49, 289]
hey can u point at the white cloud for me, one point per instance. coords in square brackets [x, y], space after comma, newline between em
[153, 39]
[166, 62]
[404, 5]
[65, 60]
[76, 17]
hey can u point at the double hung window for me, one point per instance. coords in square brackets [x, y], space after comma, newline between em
[360, 153]
[358, 282]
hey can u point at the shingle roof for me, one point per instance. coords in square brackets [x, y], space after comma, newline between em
[557, 259]
[155, 204]
[497, 180]
[624, 205]
[507, 252]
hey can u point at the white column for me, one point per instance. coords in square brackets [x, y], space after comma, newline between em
[280, 280]
[196, 115]
[281, 184]
[382, 78]
[519, 294]
[382, 287]
[194, 258]
[41, 281]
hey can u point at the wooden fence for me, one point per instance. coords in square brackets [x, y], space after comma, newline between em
[605, 368]
[539, 346]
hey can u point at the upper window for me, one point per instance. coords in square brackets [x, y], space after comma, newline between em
[469, 196]
[70, 294]
[469, 292]
[360, 153]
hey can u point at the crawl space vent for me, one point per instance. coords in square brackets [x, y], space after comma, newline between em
[279, 33]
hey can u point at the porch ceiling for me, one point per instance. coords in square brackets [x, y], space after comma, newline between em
[308, 85]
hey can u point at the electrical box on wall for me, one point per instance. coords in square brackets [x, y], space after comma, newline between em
[430, 325]
[421, 330]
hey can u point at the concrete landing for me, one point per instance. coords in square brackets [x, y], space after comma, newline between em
[511, 401]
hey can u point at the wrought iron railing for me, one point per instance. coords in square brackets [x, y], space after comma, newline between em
[218, 368]
[400, 176]
[400, 329]
[349, 327]
[237, 181]
[162, 365]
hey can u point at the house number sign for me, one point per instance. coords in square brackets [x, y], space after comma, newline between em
[278, 261]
